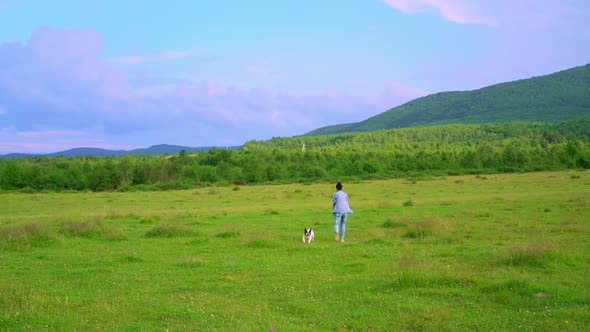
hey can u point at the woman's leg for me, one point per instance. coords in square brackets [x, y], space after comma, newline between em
[343, 226]
[337, 218]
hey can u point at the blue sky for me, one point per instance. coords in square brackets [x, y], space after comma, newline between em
[129, 74]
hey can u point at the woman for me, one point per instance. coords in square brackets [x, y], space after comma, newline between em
[340, 209]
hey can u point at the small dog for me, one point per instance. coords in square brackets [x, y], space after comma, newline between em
[307, 235]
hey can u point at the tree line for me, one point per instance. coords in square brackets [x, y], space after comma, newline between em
[405, 152]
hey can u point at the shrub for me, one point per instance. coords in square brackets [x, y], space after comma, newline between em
[27, 190]
[227, 235]
[114, 234]
[260, 244]
[93, 229]
[271, 212]
[505, 292]
[146, 220]
[315, 172]
[536, 254]
[168, 231]
[126, 188]
[391, 223]
[171, 185]
[87, 229]
[420, 230]
[133, 258]
[408, 203]
[28, 235]
[375, 241]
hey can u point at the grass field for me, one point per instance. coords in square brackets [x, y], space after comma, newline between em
[470, 253]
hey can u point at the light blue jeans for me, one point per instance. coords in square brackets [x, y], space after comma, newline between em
[340, 223]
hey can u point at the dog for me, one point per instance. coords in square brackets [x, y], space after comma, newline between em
[307, 235]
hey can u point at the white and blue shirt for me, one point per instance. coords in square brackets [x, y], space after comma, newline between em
[341, 202]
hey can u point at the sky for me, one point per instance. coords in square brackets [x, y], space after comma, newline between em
[131, 74]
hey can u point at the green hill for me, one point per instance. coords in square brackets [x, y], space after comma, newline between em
[551, 98]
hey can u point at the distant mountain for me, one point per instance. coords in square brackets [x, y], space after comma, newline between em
[551, 98]
[87, 152]
[152, 150]
[170, 149]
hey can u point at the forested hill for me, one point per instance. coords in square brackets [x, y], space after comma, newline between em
[551, 98]
[417, 140]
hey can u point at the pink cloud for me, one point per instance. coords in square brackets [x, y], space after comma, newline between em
[59, 145]
[169, 55]
[6, 3]
[264, 71]
[534, 15]
[213, 88]
[75, 46]
[62, 94]
[67, 61]
[27, 147]
[403, 90]
[58, 78]
[264, 113]
[527, 15]
[53, 140]
[396, 93]
[458, 11]
[48, 133]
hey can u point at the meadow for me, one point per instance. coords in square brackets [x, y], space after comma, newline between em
[500, 252]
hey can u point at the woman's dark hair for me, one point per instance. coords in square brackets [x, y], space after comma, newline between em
[338, 186]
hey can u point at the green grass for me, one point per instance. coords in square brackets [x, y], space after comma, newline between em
[508, 253]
